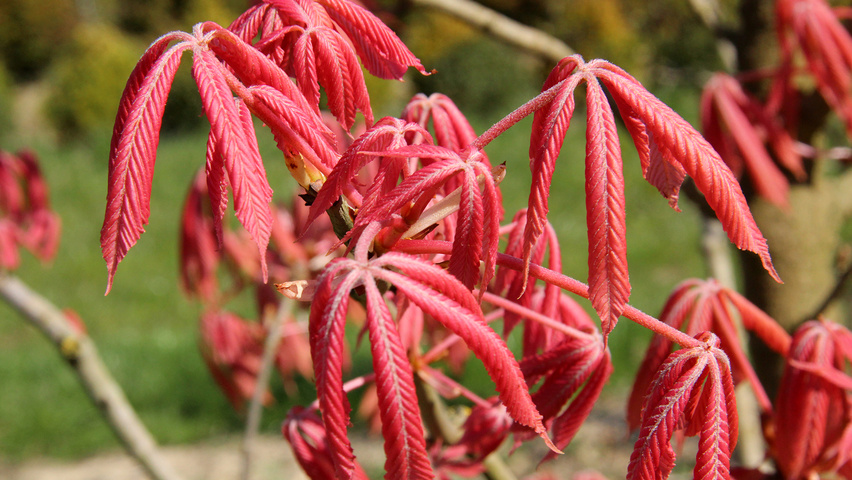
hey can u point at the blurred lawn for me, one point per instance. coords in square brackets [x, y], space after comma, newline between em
[146, 331]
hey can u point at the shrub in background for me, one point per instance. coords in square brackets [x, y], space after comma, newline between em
[30, 31]
[86, 80]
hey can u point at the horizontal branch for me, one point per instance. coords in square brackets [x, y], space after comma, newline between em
[80, 353]
[502, 28]
[558, 279]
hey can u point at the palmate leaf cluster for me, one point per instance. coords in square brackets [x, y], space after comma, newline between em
[416, 206]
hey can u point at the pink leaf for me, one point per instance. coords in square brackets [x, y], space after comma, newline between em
[693, 390]
[233, 133]
[697, 158]
[199, 251]
[326, 336]
[304, 430]
[452, 130]
[297, 131]
[763, 173]
[715, 444]
[381, 51]
[388, 133]
[653, 456]
[609, 287]
[405, 444]
[566, 426]
[341, 76]
[446, 299]
[467, 244]
[659, 168]
[548, 134]
[757, 321]
[810, 411]
[133, 151]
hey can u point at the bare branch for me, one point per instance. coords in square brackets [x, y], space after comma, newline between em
[80, 353]
[502, 28]
[255, 410]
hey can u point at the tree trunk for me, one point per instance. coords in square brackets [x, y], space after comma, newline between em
[803, 243]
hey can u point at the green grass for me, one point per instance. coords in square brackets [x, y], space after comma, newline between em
[146, 331]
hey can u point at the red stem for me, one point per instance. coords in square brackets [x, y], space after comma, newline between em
[554, 278]
[519, 114]
[530, 314]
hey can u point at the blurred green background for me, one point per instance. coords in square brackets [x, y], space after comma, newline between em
[63, 65]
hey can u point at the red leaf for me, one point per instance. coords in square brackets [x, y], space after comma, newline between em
[548, 134]
[467, 244]
[236, 145]
[326, 336]
[445, 298]
[652, 456]
[252, 68]
[405, 443]
[729, 100]
[452, 130]
[715, 444]
[199, 252]
[304, 430]
[478, 212]
[387, 134]
[133, 150]
[381, 51]
[566, 426]
[826, 46]
[696, 156]
[693, 381]
[659, 168]
[679, 304]
[297, 131]
[811, 412]
[340, 74]
[609, 287]
[665, 174]
[757, 321]
[566, 379]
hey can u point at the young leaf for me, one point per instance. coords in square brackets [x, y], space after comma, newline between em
[452, 130]
[304, 430]
[736, 117]
[235, 144]
[133, 149]
[692, 390]
[609, 287]
[548, 134]
[326, 336]
[826, 46]
[405, 447]
[387, 134]
[444, 298]
[382, 52]
[477, 230]
[812, 415]
[698, 159]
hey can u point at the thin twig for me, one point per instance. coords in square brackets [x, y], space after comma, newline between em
[502, 28]
[835, 292]
[80, 353]
[562, 281]
[255, 411]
